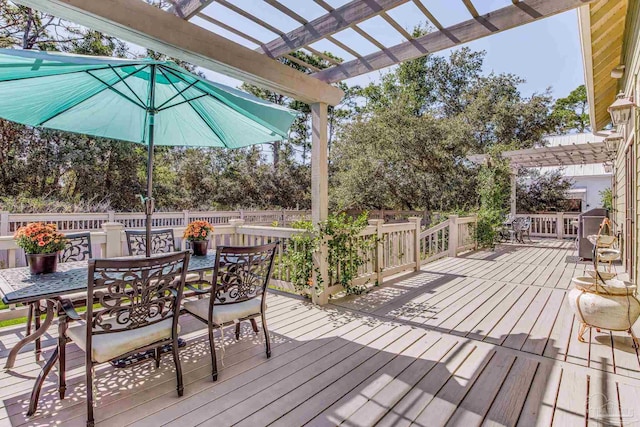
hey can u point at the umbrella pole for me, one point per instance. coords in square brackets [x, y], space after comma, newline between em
[149, 200]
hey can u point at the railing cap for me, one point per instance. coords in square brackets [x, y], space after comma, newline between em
[106, 226]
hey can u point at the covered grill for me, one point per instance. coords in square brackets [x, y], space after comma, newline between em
[588, 224]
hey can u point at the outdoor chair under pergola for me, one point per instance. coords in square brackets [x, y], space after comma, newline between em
[138, 306]
[240, 279]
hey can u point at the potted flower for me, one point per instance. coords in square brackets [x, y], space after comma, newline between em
[197, 233]
[41, 242]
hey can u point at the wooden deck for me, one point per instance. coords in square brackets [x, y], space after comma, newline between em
[485, 339]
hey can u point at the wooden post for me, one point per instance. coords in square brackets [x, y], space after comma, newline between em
[113, 246]
[4, 223]
[512, 198]
[185, 214]
[416, 245]
[377, 223]
[237, 238]
[111, 216]
[560, 225]
[475, 232]
[453, 235]
[320, 192]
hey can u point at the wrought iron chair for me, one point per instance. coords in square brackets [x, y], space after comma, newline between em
[139, 306]
[238, 292]
[78, 248]
[525, 229]
[162, 241]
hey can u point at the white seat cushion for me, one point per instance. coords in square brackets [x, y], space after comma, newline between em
[223, 313]
[106, 347]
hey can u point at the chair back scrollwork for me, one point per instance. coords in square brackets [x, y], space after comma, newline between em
[136, 293]
[78, 248]
[162, 241]
[241, 273]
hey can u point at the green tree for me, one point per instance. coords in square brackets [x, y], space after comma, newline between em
[542, 192]
[572, 112]
[406, 145]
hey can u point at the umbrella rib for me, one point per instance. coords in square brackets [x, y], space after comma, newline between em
[226, 103]
[53, 116]
[78, 103]
[59, 74]
[181, 102]
[127, 84]
[195, 110]
[144, 107]
[176, 95]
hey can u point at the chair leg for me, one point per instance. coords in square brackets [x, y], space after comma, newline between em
[157, 357]
[212, 346]
[176, 361]
[89, 376]
[266, 335]
[36, 316]
[254, 325]
[62, 361]
[634, 339]
[237, 331]
[581, 331]
[29, 318]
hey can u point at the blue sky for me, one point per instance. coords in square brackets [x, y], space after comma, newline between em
[546, 53]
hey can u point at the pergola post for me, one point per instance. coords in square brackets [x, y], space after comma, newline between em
[320, 193]
[512, 199]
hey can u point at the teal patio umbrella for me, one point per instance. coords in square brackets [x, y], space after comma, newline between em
[144, 101]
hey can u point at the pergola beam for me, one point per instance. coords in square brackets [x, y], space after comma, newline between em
[186, 9]
[146, 25]
[330, 23]
[501, 19]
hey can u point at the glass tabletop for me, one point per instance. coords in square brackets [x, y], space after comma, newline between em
[17, 285]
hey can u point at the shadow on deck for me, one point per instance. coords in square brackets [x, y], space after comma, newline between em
[466, 341]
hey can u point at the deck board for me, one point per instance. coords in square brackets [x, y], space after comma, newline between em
[483, 339]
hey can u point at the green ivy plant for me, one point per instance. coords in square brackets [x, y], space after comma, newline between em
[494, 189]
[346, 252]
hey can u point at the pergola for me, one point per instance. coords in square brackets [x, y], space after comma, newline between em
[176, 32]
[558, 156]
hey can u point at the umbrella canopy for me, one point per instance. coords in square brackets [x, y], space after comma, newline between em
[141, 100]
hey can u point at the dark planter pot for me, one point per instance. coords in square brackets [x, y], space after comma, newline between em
[200, 247]
[42, 263]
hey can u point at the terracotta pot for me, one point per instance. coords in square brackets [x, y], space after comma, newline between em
[199, 247]
[42, 263]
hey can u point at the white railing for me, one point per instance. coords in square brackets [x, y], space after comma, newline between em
[557, 225]
[435, 242]
[395, 248]
[10, 222]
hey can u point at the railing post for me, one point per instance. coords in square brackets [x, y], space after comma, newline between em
[377, 223]
[453, 235]
[185, 214]
[113, 233]
[560, 225]
[416, 241]
[237, 238]
[4, 223]
[111, 216]
[475, 232]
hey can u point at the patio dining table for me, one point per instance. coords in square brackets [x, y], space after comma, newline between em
[17, 285]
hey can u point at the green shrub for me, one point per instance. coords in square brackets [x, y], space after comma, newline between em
[346, 252]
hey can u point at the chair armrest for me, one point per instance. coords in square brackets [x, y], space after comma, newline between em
[67, 307]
